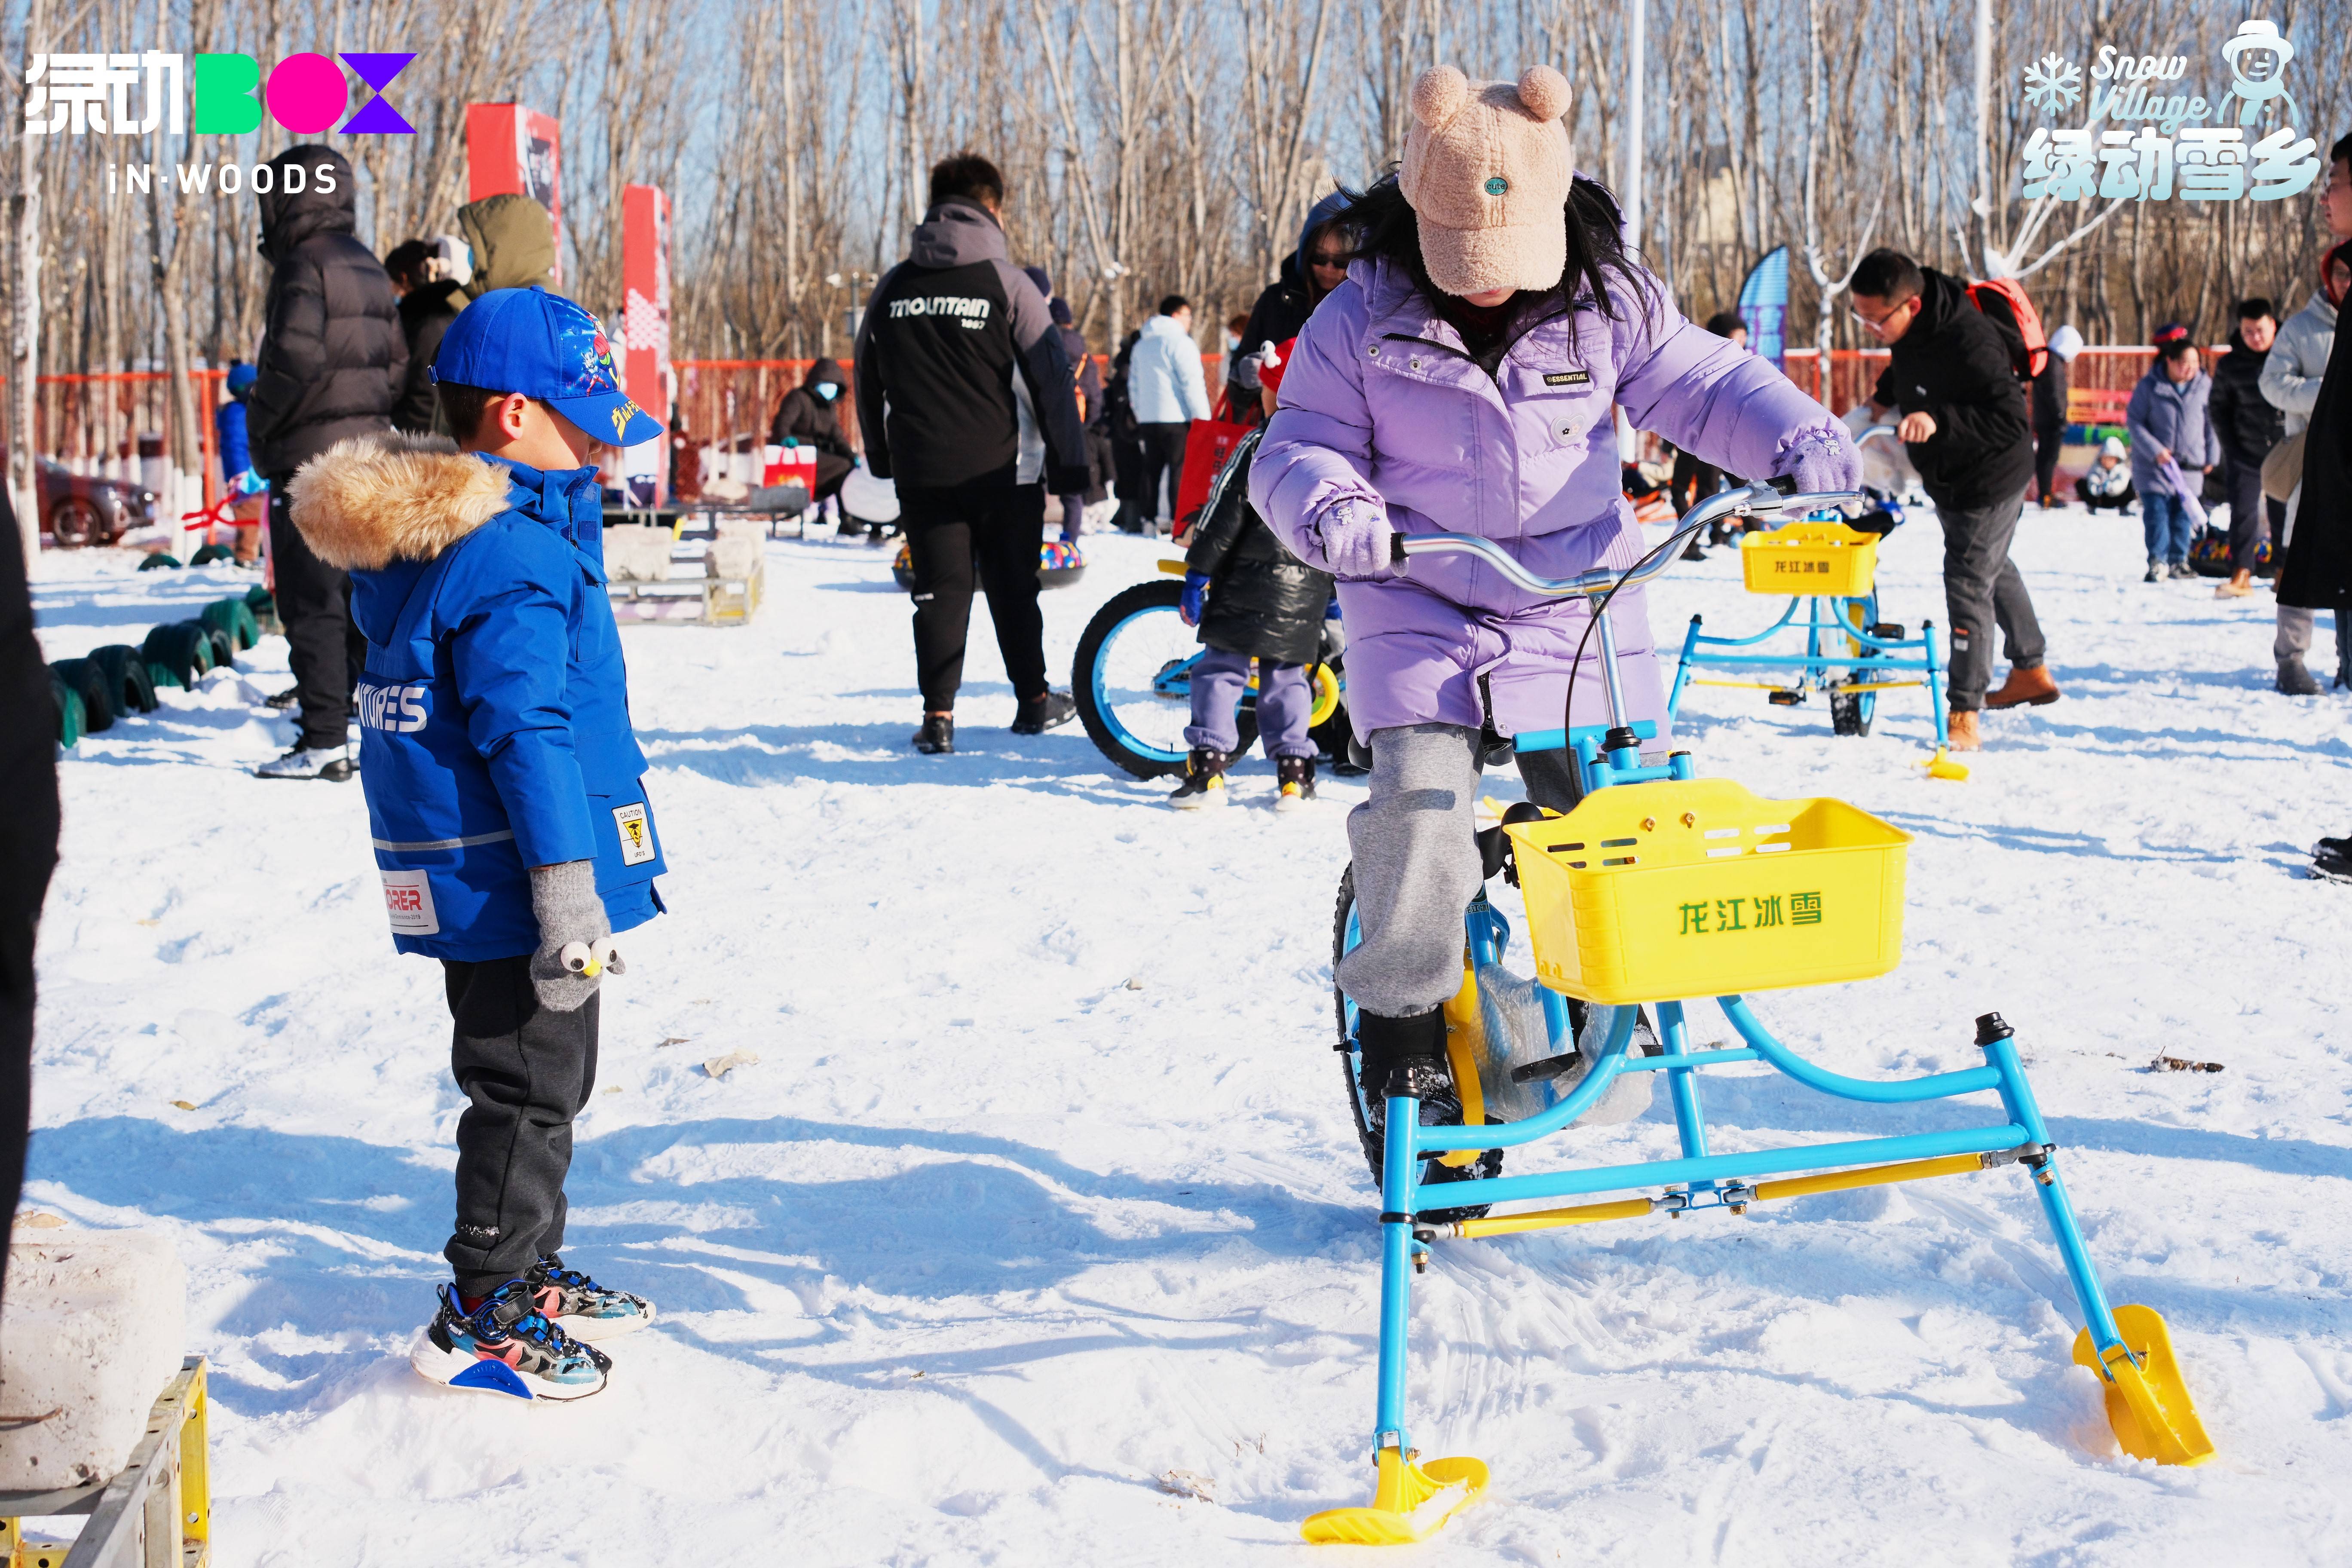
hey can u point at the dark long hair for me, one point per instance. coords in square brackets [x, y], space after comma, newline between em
[1385, 226]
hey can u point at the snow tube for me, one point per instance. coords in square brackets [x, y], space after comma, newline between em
[86, 681]
[127, 680]
[69, 710]
[159, 560]
[178, 653]
[234, 617]
[867, 499]
[1059, 564]
[210, 554]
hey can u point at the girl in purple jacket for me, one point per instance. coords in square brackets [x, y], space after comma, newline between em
[1463, 379]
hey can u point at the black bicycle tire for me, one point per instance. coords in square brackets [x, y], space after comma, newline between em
[1490, 1161]
[1160, 594]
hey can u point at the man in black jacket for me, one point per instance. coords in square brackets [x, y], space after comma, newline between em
[333, 363]
[1966, 429]
[28, 842]
[427, 305]
[964, 400]
[2249, 427]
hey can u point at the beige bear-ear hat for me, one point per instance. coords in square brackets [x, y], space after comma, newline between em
[1486, 170]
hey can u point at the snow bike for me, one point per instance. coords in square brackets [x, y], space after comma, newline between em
[1829, 570]
[1658, 889]
[1133, 682]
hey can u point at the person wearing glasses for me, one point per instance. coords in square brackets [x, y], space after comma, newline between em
[1967, 431]
[1318, 266]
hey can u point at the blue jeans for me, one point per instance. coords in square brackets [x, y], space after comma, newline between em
[1283, 702]
[2164, 519]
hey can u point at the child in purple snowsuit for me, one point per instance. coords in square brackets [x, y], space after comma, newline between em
[1463, 379]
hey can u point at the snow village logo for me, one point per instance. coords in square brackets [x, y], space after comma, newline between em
[115, 94]
[2251, 150]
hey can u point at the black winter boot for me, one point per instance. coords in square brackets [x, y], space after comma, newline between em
[937, 737]
[1404, 1055]
[1297, 777]
[1205, 780]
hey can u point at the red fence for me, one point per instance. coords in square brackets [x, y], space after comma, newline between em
[2099, 382]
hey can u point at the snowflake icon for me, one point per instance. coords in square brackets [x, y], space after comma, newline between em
[2053, 85]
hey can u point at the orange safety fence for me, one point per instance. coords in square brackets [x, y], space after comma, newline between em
[2099, 381]
[123, 418]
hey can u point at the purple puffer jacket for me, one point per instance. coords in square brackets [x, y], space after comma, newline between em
[1381, 404]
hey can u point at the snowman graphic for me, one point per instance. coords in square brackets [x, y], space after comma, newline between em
[2257, 56]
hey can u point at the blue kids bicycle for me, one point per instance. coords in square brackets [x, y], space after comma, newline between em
[1659, 891]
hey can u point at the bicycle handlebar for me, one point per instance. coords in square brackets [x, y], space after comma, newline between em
[1746, 502]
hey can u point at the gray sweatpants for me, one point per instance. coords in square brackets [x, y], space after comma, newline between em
[1982, 590]
[1417, 863]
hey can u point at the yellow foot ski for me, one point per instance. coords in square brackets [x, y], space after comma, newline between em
[2148, 1405]
[1412, 1503]
[1941, 766]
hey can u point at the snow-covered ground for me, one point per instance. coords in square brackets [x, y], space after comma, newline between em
[1043, 1186]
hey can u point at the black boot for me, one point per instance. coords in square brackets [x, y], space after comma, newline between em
[937, 737]
[1205, 780]
[1298, 779]
[1405, 1056]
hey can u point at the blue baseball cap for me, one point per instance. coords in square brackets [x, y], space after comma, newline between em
[545, 347]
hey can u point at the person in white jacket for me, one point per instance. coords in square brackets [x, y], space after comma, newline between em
[1166, 392]
[2290, 384]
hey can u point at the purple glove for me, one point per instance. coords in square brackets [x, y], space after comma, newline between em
[2184, 491]
[1353, 538]
[1820, 458]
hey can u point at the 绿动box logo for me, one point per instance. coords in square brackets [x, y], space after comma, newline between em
[139, 94]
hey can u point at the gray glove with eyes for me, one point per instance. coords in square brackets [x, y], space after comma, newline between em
[575, 938]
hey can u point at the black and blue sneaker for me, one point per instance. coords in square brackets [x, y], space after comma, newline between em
[506, 1345]
[581, 1306]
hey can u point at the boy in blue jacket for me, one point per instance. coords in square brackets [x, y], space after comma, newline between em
[504, 790]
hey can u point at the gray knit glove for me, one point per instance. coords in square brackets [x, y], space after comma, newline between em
[575, 939]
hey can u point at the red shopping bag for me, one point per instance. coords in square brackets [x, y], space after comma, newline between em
[1206, 447]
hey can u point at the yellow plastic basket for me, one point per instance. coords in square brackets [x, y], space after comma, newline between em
[1826, 558]
[1656, 892]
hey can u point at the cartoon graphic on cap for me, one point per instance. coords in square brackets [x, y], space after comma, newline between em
[545, 347]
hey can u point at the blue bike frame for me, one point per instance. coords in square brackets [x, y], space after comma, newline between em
[1703, 1179]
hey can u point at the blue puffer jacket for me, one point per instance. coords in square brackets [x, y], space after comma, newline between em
[494, 710]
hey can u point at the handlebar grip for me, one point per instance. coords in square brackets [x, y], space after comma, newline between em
[1396, 550]
[1784, 483]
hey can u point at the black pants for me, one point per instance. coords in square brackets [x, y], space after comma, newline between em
[946, 530]
[1981, 590]
[314, 602]
[1163, 456]
[830, 471]
[2047, 441]
[526, 1070]
[2096, 501]
[2253, 516]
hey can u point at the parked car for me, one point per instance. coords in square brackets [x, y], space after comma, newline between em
[79, 508]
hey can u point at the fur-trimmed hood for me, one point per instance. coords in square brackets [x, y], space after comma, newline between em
[369, 500]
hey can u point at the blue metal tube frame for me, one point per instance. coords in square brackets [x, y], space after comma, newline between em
[1399, 1162]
